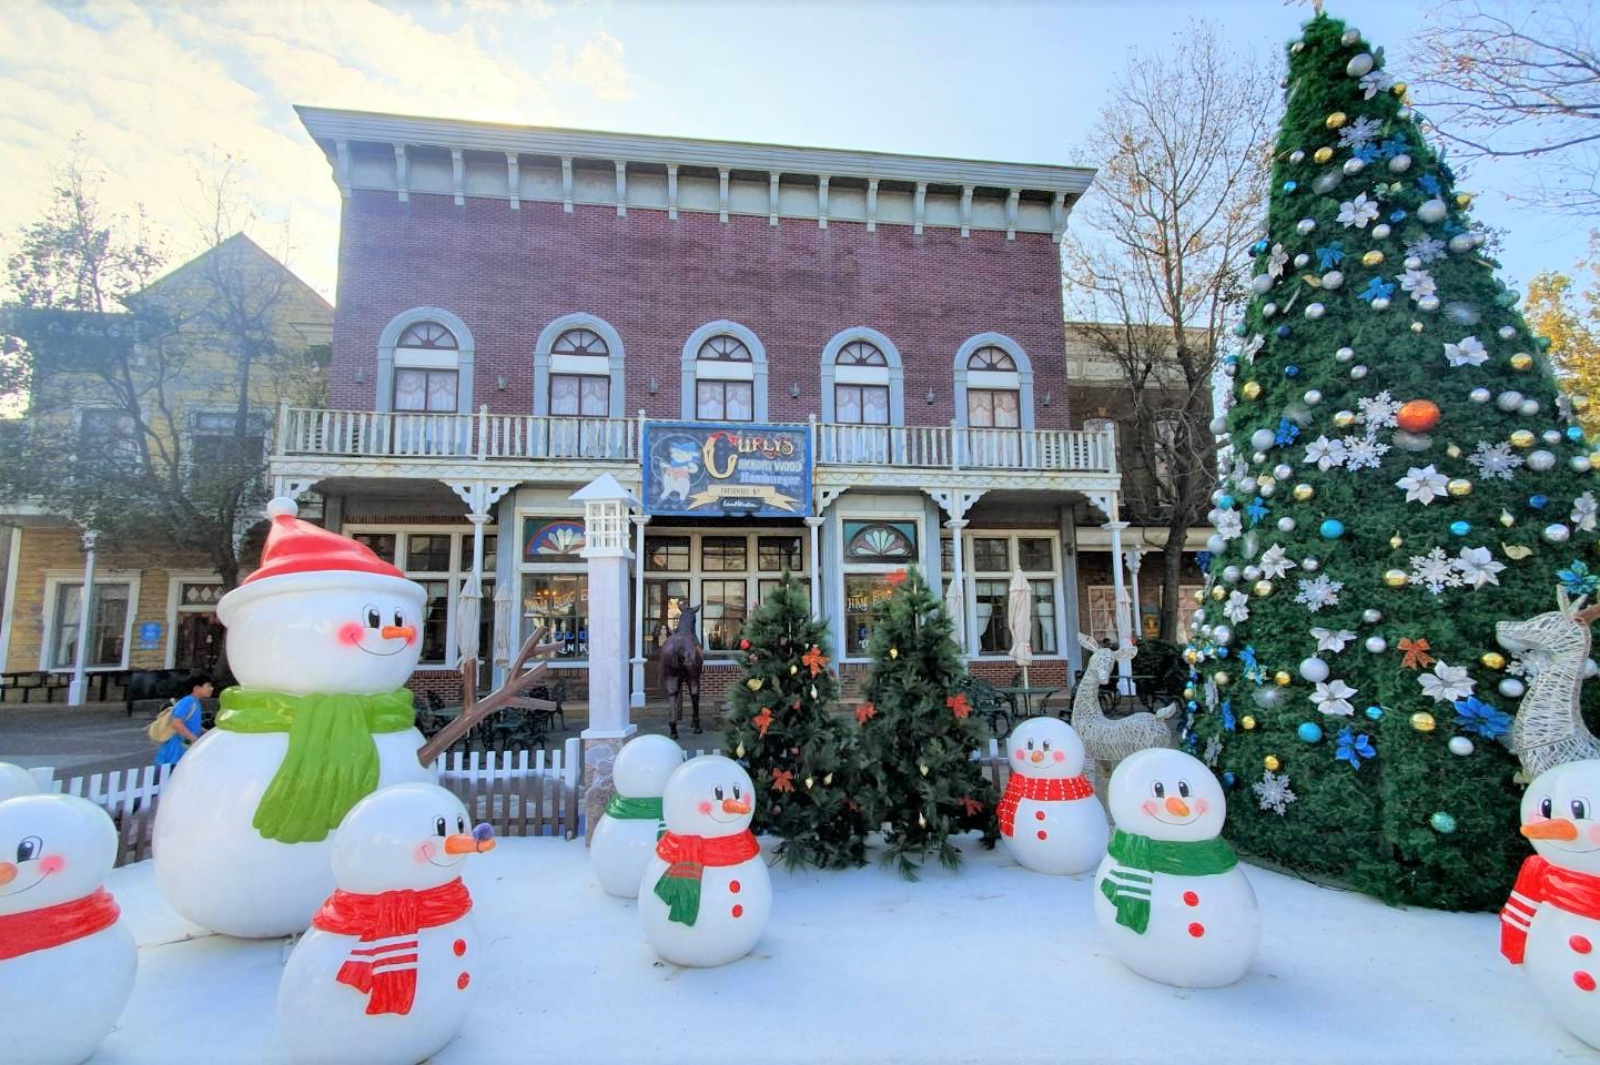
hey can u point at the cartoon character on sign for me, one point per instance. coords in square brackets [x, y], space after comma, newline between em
[678, 470]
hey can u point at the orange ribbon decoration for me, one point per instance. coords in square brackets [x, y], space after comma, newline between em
[1417, 656]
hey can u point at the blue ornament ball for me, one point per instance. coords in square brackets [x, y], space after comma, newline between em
[1290, 186]
[1575, 433]
[1332, 529]
[1291, 370]
[1442, 823]
[1460, 528]
[1374, 713]
[1259, 247]
[1538, 502]
[1228, 779]
[1225, 501]
[1240, 330]
[1282, 332]
[1310, 731]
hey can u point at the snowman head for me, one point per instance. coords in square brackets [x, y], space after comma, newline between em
[708, 796]
[1166, 795]
[407, 836]
[53, 849]
[643, 765]
[15, 781]
[1560, 815]
[1046, 747]
[322, 614]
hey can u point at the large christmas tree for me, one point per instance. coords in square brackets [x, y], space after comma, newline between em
[800, 757]
[1401, 474]
[918, 734]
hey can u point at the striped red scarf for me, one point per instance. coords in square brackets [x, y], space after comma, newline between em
[52, 926]
[1039, 789]
[1539, 881]
[384, 966]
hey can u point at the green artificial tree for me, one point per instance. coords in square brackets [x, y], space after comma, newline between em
[801, 758]
[918, 734]
[1401, 474]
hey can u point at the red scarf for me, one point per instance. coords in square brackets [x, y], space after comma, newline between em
[1539, 881]
[385, 967]
[1039, 789]
[686, 858]
[24, 933]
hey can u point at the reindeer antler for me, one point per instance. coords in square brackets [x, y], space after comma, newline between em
[474, 710]
[1587, 616]
[1087, 642]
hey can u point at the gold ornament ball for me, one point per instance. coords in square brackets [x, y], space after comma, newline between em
[1422, 721]
[1396, 542]
[793, 669]
[894, 652]
[1398, 88]
[1458, 487]
[1199, 595]
[1189, 656]
[1463, 199]
[1220, 678]
[1271, 762]
[1282, 678]
[1396, 578]
[1522, 361]
[1322, 155]
[1262, 589]
[1522, 438]
[1251, 389]
[1453, 451]
[1303, 492]
[1247, 722]
[1335, 120]
[1219, 593]
[1493, 660]
[1344, 419]
[1372, 258]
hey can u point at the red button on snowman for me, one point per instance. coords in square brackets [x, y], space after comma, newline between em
[321, 638]
[1050, 819]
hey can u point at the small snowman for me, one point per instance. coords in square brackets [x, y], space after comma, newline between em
[1050, 820]
[67, 962]
[706, 895]
[1551, 923]
[1170, 896]
[625, 839]
[15, 781]
[322, 638]
[384, 975]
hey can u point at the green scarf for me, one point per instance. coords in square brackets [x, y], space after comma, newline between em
[331, 764]
[624, 809]
[1127, 884]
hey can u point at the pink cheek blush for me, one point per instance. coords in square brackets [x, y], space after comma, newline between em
[1060, 756]
[705, 807]
[1020, 755]
[350, 633]
[425, 853]
[52, 863]
[1201, 806]
[1149, 808]
[1594, 833]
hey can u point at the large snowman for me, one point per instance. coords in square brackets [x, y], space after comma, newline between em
[385, 974]
[625, 839]
[1551, 924]
[67, 962]
[1170, 896]
[706, 895]
[321, 638]
[1050, 820]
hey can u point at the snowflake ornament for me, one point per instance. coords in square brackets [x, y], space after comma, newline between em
[1435, 571]
[1237, 608]
[1379, 411]
[1357, 212]
[1477, 567]
[1274, 792]
[1361, 131]
[1318, 592]
[1213, 751]
[1447, 683]
[1332, 639]
[1423, 484]
[1428, 249]
[1274, 563]
[1363, 453]
[1495, 461]
[1333, 697]
[1325, 453]
[1468, 351]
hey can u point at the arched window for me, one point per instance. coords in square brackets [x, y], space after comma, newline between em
[578, 383]
[724, 372]
[861, 397]
[993, 383]
[425, 363]
[580, 375]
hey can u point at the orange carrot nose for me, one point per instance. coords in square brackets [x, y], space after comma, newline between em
[8, 873]
[397, 632]
[1177, 807]
[1555, 828]
[1036, 756]
[461, 843]
[734, 806]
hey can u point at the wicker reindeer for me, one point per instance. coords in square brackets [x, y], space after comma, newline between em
[1107, 742]
[681, 660]
[1549, 728]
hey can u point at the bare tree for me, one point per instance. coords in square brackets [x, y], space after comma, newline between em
[1499, 82]
[1155, 270]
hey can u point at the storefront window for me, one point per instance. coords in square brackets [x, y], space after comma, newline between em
[436, 650]
[724, 554]
[108, 625]
[560, 603]
[428, 553]
[991, 555]
[866, 602]
[990, 600]
[722, 614]
[667, 554]
[381, 544]
[1034, 553]
[774, 554]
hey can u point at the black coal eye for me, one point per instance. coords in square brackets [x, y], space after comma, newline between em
[1183, 788]
[1580, 809]
[461, 824]
[717, 791]
[736, 792]
[1160, 790]
[29, 848]
[441, 826]
[399, 619]
[1030, 745]
[373, 621]
[1545, 807]
[1047, 745]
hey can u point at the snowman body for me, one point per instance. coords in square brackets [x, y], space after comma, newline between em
[707, 801]
[1188, 929]
[1562, 969]
[1065, 835]
[623, 845]
[323, 617]
[388, 843]
[62, 999]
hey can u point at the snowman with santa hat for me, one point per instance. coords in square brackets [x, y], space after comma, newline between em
[322, 638]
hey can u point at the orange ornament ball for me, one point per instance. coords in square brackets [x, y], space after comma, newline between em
[1418, 416]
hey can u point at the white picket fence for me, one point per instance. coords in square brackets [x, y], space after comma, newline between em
[519, 793]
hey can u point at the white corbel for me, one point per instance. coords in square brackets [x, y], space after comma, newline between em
[458, 175]
[402, 173]
[341, 167]
[822, 498]
[480, 496]
[872, 204]
[513, 181]
[622, 189]
[919, 206]
[566, 183]
[1103, 501]
[955, 501]
[1058, 217]
[966, 210]
[772, 198]
[1012, 201]
[292, 487]
[672, 190]
[722, 174]
[822, 202]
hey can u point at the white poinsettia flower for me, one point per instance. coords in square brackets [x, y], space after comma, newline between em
[1357, 212]
[1423, 484]
[1468, 351]
[1447, 683]
[1237, 609]
[1332, 639]
[1419, 283]
[1275, 562]
[1478, 567]
[1325, 453]
[1375, 81]
[1333, 697]
[1583, 512]
[1278, 260]
[1229, 524]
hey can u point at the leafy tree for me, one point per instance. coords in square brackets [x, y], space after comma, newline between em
[1569, 318]
[802, 759]
[918, 735]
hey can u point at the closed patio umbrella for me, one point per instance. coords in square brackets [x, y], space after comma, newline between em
[956, 604]
[502, 624]
[469, 609]
[1019, 619]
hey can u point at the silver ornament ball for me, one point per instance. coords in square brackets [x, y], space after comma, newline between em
[1377, 644]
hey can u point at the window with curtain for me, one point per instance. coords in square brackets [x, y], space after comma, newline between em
[108, 626]
[425, 377]
[724, 380]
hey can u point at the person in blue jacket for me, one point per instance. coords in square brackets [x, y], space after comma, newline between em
[185, 720]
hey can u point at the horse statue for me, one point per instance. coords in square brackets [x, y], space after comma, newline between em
[1549, 728]
[681, 660]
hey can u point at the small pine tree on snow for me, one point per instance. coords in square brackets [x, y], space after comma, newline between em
[801, 758]
[918, 735]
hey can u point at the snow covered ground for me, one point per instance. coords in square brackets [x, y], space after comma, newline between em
[990, 964]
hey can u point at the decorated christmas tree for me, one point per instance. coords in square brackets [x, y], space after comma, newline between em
[918, 735]
[800, 757]
[1401, 474]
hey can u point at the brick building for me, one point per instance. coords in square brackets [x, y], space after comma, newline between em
[877, 338]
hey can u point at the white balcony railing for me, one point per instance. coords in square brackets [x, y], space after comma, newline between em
[307, 432]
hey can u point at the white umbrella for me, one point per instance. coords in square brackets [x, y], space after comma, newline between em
[468, 610]
[956, 604]
[1019, 619]
[502, 624]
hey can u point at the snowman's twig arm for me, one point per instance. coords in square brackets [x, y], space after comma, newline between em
[474, 710]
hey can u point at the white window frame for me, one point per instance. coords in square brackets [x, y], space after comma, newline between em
[892, 375]
[459, 571]
[691, 368]
[53, 580]
[391, 355]
[970, 575]
[847, 568]
[993, 379]
[615, 361]
[175, 582]
[1107, 592]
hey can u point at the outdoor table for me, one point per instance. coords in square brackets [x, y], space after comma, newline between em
[1025, 698]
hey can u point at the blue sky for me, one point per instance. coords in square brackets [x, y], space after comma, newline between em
[155, 87]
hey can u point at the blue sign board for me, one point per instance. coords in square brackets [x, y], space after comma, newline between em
[701, 469]
[149, 635]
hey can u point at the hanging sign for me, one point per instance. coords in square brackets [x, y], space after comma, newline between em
[709, 470]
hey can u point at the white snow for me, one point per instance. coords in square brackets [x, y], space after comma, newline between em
[992, 963]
